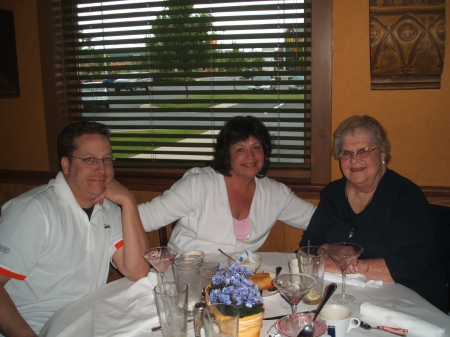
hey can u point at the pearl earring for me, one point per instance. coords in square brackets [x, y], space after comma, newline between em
[383, 162]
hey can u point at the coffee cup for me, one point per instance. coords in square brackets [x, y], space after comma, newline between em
[339, 320]
[293, 266]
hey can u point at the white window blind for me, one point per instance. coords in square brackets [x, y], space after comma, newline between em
[166, 75]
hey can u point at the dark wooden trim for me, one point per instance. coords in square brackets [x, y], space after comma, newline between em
[153, 181]
[25, 177]
[322, 17]
[54, 115]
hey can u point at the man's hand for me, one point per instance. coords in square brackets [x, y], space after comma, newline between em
[117, 193]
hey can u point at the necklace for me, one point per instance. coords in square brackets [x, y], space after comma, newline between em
[352, 230]
[242, 196]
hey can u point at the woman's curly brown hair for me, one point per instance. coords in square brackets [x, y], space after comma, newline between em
[237, 129]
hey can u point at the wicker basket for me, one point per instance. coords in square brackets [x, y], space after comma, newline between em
[249, 326]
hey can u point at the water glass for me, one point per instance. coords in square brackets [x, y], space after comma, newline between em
[221, 320]
[171, 304]
[188, 270]
[209, 269]
[311, 261]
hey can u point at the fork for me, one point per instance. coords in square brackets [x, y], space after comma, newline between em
[396, 331]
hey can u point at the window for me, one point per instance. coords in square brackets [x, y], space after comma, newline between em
[166, 75]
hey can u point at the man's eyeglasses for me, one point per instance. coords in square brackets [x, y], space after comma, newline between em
[361, 153]
[94, 161]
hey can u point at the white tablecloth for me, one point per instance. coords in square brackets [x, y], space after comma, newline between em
[389, 295]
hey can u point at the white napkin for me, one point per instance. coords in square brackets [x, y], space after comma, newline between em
[400, 320]
[127, 312]
[358, 280]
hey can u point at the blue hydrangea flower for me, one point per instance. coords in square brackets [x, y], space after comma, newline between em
[232, 286]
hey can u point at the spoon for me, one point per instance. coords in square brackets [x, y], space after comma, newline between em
[277, 272]
[308, 330]
[220, 250]
[396, 331]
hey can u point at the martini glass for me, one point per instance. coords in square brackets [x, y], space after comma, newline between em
[293, 287]
[160, 258]
[344, 254]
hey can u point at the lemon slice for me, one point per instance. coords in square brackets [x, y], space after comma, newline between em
[313, 295]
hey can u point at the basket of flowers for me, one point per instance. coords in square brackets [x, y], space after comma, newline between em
[230, 285]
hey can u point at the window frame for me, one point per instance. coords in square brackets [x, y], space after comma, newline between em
[56, 117]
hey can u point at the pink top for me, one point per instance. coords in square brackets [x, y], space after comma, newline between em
[241, 229]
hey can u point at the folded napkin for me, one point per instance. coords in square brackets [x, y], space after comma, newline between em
[397, 319]
[127, 312]
[358, 280]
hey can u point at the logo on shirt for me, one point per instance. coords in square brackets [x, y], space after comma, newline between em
[4, 249]
[107, 226]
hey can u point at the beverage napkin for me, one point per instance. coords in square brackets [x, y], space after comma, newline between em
[127, 312]
[358, 280]
[393, 318]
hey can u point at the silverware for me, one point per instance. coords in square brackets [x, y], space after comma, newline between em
[277, 272]
[281, 316]
[158, 328]
[220, 250]
[308, 330]
[396, 331]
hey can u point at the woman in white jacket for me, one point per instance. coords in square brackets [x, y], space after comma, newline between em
[231, 204]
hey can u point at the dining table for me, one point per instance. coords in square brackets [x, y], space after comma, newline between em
[135, 314]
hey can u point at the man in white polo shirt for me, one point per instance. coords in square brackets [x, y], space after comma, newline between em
[57, 240]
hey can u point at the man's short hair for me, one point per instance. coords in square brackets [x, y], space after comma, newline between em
[66, 139]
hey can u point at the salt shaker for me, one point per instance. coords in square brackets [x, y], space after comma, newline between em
[198, 310]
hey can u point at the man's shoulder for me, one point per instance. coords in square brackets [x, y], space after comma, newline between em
[38, 192]
[39, 200]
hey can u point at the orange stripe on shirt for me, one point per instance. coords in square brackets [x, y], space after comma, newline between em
[9, 273]
[119, 244]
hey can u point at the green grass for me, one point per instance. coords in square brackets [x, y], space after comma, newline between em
[120, 150]
[255, 97]
[147, 137]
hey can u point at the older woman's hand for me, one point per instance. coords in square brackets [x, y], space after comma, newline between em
[353, 268]
[332, 267]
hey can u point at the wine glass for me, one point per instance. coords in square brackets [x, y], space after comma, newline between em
[344, 254]
[293, 287]
[160, 258]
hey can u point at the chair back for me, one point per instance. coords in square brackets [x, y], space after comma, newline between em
[163, 235]
[441, 221]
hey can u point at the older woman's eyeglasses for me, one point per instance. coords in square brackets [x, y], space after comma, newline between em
[361, 153]
[94, 161]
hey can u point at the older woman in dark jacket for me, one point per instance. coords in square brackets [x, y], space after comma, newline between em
[381, 211]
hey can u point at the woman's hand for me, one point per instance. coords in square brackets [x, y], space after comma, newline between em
[331, 267]
[353, 268]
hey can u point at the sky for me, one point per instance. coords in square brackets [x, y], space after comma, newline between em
[102, 7]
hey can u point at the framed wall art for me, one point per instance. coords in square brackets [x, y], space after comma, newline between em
[407, 43]
[9, 76]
